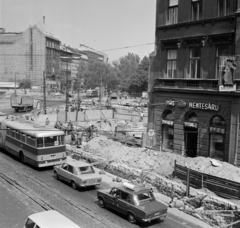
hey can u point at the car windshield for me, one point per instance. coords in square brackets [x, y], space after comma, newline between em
[85, 169]
[143, 197]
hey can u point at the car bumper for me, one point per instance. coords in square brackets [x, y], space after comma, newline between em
[88, 185]
[162, 217]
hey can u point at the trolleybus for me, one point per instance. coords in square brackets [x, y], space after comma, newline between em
[33, 143]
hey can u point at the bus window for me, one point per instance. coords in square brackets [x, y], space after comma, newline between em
[31, 141]
[62, 139]
[18, 136]
[50, 141]
[12, 132]
[23, 138]
[39, 142]
[8, 131]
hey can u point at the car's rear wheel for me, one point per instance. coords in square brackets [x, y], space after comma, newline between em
[56, 175]
[101, 202]
[131, 218]
[73, 184]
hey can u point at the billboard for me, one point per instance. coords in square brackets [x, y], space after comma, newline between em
[227, 67]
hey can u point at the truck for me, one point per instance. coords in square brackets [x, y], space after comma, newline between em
[22, 102]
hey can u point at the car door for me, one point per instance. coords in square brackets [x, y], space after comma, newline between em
[62, 171]
[124, 202]
[69, 173]
[111, 197]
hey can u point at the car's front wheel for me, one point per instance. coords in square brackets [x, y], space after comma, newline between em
[131, 218]
[73, 184]
[101, 202]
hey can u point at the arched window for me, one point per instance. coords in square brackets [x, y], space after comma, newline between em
[217, 135]
[167, 130]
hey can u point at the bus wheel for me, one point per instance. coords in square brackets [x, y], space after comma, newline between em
[22, 157]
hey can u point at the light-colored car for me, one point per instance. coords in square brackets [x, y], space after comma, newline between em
[49, 219]
[78, 174]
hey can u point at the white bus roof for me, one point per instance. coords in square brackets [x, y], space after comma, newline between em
[32, 128]
[52, 219]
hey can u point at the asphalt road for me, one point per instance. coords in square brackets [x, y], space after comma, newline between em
[79, 205]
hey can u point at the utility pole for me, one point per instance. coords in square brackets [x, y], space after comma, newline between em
[15, 84]
[67, 96]
[44, 93]
[78, 97]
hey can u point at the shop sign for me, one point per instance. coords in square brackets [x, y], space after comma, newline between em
[170, 103]
[217, 130]
[227, 67]
[167, 122]
[189, 124]
[204, 106]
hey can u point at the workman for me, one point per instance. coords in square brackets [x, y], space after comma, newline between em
[79, 138]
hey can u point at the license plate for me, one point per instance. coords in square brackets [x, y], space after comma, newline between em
[157, 213]
[91, 181]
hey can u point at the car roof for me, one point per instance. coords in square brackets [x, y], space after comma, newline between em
[76, 163]
[52, 219]
[138, 189]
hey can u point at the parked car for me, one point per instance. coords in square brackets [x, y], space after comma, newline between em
[77, 173]
[114, 95]
[47, 219]
[134, 200]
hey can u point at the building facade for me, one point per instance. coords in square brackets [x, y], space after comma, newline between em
[28, 55]
[194, 81]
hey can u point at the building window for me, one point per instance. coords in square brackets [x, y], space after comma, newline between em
[220, 50]
[196, 10]
[172, 16]
[172, 64]
[195, 56]
[223, 8]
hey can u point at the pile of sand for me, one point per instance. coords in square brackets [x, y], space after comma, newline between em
[161, 162]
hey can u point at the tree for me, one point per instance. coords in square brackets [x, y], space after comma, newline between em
[126, 69]
[25, 84]
[139, 81]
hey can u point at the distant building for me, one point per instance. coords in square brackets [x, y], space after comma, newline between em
[28, 54]
[93, 54]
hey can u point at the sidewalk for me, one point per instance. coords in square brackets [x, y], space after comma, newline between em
[192, 221]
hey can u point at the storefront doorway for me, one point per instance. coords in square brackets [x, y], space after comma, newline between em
[217, 135]
[191, 134]
[167, 131]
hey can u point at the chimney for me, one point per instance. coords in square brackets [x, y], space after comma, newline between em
[43, 19]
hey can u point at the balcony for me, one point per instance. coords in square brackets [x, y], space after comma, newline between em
[188, 84]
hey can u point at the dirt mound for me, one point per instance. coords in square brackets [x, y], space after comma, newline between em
[161, 162]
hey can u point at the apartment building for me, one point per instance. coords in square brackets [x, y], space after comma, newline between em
[194, 81]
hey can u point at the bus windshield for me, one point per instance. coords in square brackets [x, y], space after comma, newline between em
[50, 141]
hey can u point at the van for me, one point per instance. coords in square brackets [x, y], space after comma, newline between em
[49, 219]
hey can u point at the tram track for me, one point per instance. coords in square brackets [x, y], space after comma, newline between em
[39, 189]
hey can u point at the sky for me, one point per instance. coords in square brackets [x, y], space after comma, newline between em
[99, 24]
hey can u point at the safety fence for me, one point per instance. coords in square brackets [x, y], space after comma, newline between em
[221, 187]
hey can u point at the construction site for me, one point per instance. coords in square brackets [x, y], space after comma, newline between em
[120, 143]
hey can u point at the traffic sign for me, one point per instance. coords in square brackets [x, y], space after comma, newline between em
[151, 133]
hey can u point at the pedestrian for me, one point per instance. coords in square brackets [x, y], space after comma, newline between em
[141, 116]
[47, 122]
[56, 125]
[93, 102]
[79, 138]
[73, 137]
[70, 127]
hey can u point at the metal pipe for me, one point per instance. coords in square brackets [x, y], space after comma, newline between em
[44, 93]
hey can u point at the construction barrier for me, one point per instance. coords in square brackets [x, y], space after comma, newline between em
[221, 187]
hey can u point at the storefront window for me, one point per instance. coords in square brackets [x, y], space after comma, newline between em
[217, 132]
[167, 131]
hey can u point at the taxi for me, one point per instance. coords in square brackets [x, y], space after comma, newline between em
[135, 201]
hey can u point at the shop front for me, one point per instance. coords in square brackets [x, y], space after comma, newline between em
[194, 126]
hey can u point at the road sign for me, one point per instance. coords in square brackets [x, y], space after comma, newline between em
[151, 133]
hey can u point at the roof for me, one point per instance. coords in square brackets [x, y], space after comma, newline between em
[52, 219]
[32, 128]
[133, 188]
[76, 163]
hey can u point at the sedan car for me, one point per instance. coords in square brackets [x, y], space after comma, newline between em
[77, 173]
[135, 201]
